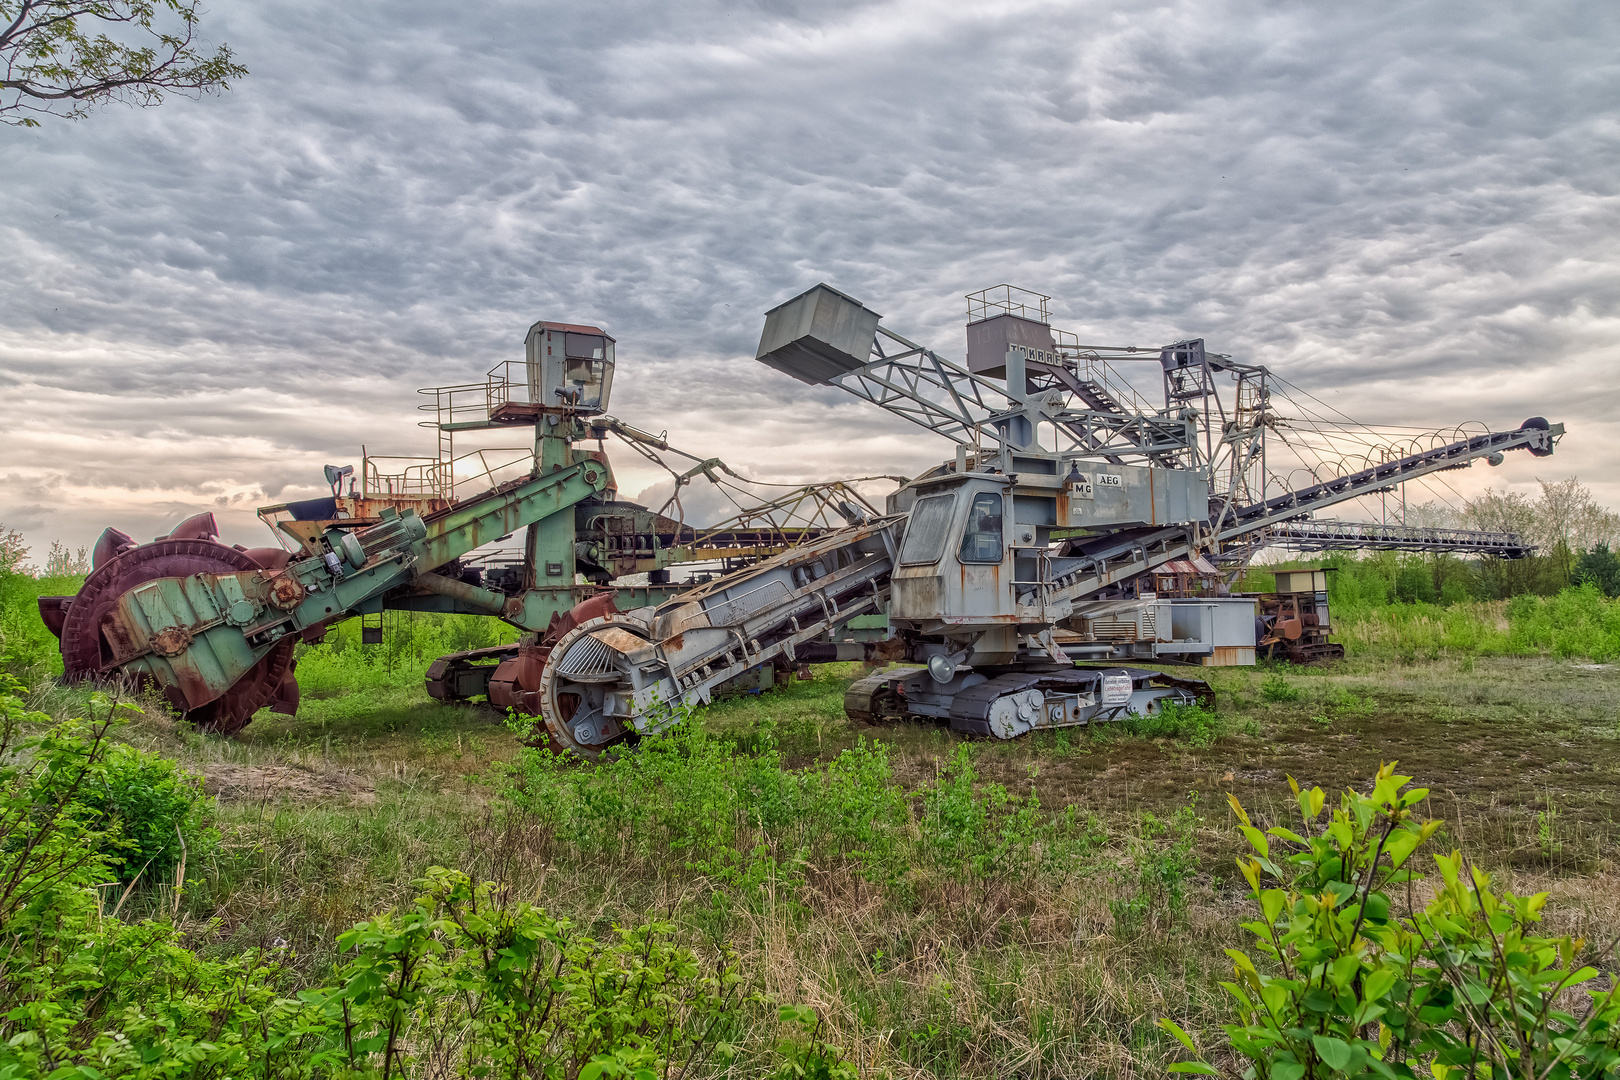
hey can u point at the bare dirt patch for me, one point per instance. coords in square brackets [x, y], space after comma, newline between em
[231, 782]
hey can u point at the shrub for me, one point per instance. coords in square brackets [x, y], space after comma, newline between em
[466, 981]
[1275, 687]
[813, 1058]
[1600, 568]
[1348, 985]
[475, 980]
[156, 809]
[47, 850]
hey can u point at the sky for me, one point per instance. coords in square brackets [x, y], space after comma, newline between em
[1409, 209]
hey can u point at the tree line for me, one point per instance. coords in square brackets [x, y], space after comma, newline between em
[1576, 539]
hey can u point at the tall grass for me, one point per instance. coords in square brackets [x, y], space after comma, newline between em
[411, 641]
[26, 646]
[1575, 623]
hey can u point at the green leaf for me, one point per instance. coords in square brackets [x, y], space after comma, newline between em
[1319, 1001]
[1378, 983]
[1196, 1067]
[1181, 1036]
[1335, 1053]
[1400, 845]
[1287, 1070]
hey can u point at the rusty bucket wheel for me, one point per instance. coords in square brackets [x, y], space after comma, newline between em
[575, 683]
[261, 686]
[86, 655]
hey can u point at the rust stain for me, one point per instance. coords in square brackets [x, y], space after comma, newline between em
[516, 681]
[118, 637]
[192, 687]
[886, 651]
[286, 592]
[171, 642]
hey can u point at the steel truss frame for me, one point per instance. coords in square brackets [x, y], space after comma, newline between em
[1354, 535]
[915, 383]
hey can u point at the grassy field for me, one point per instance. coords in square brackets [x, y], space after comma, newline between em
[952, 908]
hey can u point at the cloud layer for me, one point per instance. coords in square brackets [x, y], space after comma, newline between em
[1408, 209]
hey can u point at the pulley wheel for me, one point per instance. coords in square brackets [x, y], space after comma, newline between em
[1538, 423]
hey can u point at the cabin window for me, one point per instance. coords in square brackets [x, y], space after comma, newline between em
[927, 530]
[981, 541]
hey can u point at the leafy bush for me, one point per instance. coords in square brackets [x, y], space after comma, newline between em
[1275, 687]
[47, 850]
[156, 809]
[78, 988]
[813, 1058]
[1600, 568]
[1351, 986]
[480, 984]
[466, 982]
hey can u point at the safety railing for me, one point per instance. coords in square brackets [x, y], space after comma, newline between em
[508, 382]
[414, 476]
[478, 470]
[1007, 300]
[1088, 366]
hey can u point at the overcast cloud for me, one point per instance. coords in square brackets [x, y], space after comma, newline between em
[1409, 208]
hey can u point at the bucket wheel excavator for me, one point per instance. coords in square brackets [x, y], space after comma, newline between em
[214, 627]
[91, 644]
[1016, 582]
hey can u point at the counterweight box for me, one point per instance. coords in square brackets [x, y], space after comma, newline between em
[818, 335]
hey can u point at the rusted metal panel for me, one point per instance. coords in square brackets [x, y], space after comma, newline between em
[287, 592]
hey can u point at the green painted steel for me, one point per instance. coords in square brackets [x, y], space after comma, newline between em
[201, 634]
[471, 526]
